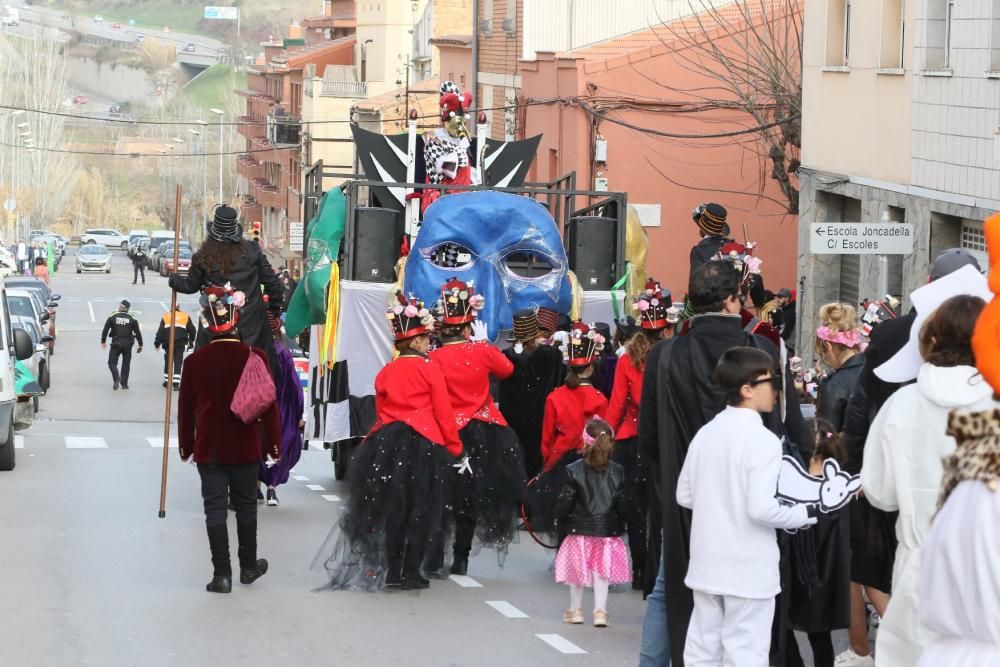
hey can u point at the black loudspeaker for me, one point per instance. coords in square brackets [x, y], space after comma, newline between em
[378, 234]
[592, 248]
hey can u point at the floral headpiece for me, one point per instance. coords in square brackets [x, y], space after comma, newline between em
[589, 440]
[584, 344]
[459, 304]
[409, 317]
[742, 259]
[655, 307]
[850, 338]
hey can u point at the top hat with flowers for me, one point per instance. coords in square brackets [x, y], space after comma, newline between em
[459, 304]
[220, 307]
[585, 344]
[654, 307]
[741, 257]
[409, 317]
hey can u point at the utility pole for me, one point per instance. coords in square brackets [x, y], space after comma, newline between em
[475, 56]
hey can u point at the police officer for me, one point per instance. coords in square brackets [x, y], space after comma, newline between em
[124, 330]
[139, 263]
[184, 335]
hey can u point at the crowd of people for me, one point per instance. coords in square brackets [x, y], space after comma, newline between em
[650, 455]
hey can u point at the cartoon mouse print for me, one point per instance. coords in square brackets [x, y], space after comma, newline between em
[830, 492]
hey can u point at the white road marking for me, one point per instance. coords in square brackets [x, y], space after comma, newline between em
[465, 582]
[332, 498]
[18, 442]
[561, 644]
[91, 306]
[164, 306]
[300, 478]
[506, 608]
[85, 442]
[315, 487]
[157, 441]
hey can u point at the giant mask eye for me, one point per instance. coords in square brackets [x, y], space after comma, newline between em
[529, 265]
[449, 255]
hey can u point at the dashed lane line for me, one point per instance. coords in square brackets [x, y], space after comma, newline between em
[331, 497]
[506, 608]
[300, 478]
[85, 442]
[18, 442]
[464, 581]
[158, 442]
[561, 644]
[91, 307]
[315, 487]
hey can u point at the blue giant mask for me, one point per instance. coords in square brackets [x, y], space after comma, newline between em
[507, 244]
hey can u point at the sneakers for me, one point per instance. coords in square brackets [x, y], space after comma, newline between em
[272, 498]
[260, 497]
[851, 659]
[600, 618]
[115, 387]
[573, 616]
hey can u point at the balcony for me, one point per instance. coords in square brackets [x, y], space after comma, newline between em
[266, 194]
[283, 130]
[348, 89]
[250, 129]
[249, 168]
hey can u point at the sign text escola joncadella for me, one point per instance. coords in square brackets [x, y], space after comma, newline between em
[861, 238]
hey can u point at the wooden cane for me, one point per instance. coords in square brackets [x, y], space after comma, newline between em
[170, 358]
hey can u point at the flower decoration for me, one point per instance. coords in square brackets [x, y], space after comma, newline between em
[239, 299]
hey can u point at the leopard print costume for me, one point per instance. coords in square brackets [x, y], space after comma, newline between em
[977, 456]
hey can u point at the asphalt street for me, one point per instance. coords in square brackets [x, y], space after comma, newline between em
[91, 576]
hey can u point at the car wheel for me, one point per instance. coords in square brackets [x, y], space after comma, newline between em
[34, 404]
[124, 245]
[78, 271]
[46, 379]
[91, 242]
[7, 450]
[109, 270]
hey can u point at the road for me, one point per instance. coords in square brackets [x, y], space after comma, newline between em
[93, 577]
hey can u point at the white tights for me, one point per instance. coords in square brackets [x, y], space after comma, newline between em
[600, 595]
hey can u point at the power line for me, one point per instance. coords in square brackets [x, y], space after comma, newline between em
[134, 154]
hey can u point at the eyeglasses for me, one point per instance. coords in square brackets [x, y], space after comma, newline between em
[776, 380]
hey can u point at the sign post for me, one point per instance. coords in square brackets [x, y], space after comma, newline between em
[296, 232]
[858, 238]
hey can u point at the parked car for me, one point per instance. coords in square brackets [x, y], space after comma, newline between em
[22, 303]
[98, 18]
[93, 257]
[44, 296]
[45, 236]
[38, 363]
[57, 244]
[183, 262]
[158, 237]
[165, 250]
[80, 99]
[119, 108]
[110, 238]
[135, 243]
[189, 47]
[17, 347]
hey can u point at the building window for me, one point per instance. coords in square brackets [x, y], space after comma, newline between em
[838, 32]
[995, 38]
[893, 34]
[895, 268]
[486, 17]
[939, 25]
[974, 240]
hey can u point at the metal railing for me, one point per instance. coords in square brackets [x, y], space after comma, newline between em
[324, 88]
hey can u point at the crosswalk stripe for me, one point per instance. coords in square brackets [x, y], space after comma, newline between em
[465, 582]
[18, 442]
[332, 498]
[315, 487]
[561, 644]
[83, 442]
[158, 442]
[506, 608]
[300, 478]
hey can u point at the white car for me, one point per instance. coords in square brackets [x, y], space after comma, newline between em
[109, 238]
[17, 346]
[93, 257]
[98, 19]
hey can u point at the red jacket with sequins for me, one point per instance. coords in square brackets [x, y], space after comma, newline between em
[467, 368]
[412, 390]
[626, 394]
[566, 413]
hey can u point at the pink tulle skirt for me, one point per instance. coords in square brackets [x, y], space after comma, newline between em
[580, 557]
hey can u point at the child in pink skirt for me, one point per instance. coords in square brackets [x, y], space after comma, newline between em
[591, 509]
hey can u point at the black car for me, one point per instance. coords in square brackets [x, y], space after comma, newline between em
[120, 108]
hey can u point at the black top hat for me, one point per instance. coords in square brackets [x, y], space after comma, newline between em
[409, 318]
[525, 326]
[711, 219]
[654, 307]
[585, 344]
[225, 224]
[548, 320]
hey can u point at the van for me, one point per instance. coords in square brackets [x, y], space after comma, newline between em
[158, 237]
[15, 344]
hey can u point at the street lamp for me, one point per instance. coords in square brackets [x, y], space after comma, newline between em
[221, 114]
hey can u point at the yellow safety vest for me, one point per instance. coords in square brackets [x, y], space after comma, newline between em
[181, 320]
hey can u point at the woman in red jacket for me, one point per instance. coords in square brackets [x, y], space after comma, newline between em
[656, 318]
[484, 502]
[567, 411]
[227, 451]
[398, 472]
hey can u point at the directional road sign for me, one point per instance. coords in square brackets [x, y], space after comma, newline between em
[861, 238]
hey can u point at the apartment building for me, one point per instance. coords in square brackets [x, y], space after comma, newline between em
[901, 122]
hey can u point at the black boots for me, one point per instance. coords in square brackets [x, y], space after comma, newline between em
[218, 542]
[251, 567]
[465, 528]
[460, 565]
[413, 579]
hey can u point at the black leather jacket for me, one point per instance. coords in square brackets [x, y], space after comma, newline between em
[835, 391]
[592, 502]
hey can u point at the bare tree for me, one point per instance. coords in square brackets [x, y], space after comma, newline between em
[752, 51]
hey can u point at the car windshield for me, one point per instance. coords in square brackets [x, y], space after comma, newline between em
[93, 250]
[20, 305]
[185, 253]
[28, 329]
[31, 284]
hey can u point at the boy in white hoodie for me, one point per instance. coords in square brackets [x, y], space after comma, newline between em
[729, 480]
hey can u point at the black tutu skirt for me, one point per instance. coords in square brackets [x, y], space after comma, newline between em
[629, 456]
[540, 498]
[873, 545]
[397, 500]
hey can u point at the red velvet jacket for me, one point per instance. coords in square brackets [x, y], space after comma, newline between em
[623, 408]
[566, 413]
[207, 427]
[412, 389]
[467, 368]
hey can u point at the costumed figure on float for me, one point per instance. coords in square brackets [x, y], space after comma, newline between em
[483, 503]
[398, 473]
[446, 152]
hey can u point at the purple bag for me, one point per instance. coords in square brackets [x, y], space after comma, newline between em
[255, 392]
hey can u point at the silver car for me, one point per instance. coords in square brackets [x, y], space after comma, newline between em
[93, 257]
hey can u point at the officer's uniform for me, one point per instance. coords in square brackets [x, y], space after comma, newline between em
[184, 335]
[138, 264]
[124, 330]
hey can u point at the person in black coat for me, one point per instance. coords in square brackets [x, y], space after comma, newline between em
[226, 257]
[678, 398]
[711, 221]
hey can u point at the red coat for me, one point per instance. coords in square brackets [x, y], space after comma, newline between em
[566, 413]
[467, 368]
[623, 408]
[205, 424]
[412, 389]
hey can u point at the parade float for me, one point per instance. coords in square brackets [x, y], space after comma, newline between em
[428, 207]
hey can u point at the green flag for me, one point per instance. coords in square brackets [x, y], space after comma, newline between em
[25, 383]
[325, 232]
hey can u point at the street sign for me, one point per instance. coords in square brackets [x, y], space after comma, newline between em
[9, 205]
[861, 238]
[296, 233]
[222, 13]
